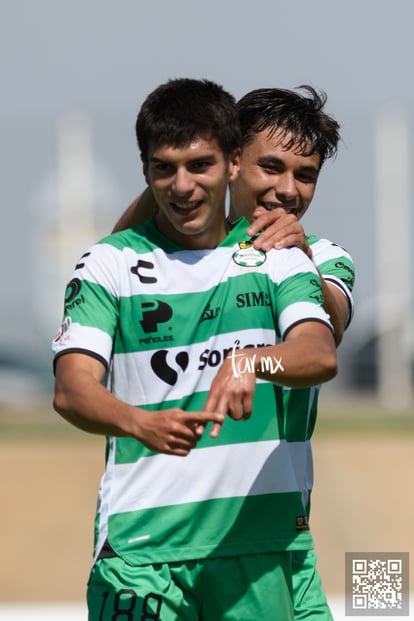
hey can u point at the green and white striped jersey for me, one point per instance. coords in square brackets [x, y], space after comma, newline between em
[336, 266]
[162, 319]
[301, 404]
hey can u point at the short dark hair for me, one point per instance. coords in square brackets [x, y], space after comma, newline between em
[298, 116]
[181, 109]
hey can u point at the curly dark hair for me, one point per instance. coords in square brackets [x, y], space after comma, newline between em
[299, 117]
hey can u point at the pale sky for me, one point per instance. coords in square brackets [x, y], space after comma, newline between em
[102, 58]
[58, 54]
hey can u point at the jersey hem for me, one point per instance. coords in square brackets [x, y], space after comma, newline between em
[190, 554]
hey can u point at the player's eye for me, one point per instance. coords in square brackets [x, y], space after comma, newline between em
[162, 168]
[200, 165]
[307, 176]
[270, 169]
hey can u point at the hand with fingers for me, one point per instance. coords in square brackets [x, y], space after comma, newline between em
[277, 229]
[231, 394]
[174, 431]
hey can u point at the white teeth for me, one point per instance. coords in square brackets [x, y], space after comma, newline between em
[271, 206]
[187, 206]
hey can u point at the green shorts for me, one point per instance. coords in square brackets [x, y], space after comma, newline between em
[247, 588]
[308, 596]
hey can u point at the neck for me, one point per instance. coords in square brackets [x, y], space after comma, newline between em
[208, 238]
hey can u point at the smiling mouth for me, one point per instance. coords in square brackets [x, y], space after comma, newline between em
[186, 207]
[271, 206]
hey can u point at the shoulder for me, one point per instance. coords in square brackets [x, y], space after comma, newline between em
[315, 240]
[125, 246]
[327, 248]
[332, 259]
[289, 262]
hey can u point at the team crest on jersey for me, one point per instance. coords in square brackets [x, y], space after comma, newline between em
[248, 256]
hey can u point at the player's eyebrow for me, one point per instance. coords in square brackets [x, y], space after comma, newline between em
[209, 158]
[269, 159]
[272, 159]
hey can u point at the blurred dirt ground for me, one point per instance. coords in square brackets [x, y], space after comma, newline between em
[363, 501]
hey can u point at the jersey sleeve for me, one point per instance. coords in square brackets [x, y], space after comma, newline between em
[336, 266]
[298, 294]
[91, 306]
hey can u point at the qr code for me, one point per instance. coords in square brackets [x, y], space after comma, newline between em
[377, 584]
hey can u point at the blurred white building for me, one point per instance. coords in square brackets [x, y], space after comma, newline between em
[394, 274]
[72, 209]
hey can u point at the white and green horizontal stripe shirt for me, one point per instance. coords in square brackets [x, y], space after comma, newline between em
[301, 404]
[162, 319]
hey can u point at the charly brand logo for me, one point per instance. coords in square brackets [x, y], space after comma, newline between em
[138, 270]
[164, 370]
[248, 256]
[81, 263]
[242, 364]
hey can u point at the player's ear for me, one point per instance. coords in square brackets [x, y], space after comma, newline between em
[234, 165]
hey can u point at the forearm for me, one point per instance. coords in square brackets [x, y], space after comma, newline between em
[139, 211]
[82, 400]
[128, 218]
[296, 364]
[306, 358]
[89, 406]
